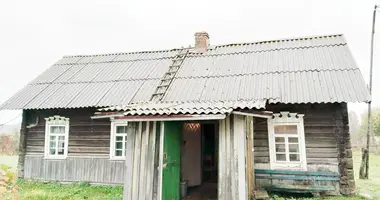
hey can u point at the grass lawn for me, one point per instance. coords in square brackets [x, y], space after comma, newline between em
[372, 185]
[55, 191]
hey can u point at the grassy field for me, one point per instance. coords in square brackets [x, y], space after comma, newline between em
[50, 191]
[56, 191]
[372, 185]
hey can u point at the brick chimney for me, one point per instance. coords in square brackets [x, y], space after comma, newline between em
[201, 41]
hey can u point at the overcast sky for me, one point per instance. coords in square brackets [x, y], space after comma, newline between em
[35, 34]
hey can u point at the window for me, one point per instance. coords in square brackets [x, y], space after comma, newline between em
[119, 132]
[56, 137]
[287, 141]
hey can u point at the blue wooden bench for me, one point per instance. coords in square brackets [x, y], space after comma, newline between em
[313, 184]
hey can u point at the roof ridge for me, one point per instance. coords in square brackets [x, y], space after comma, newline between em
[214, 46]
[283, 40]
[123, 53]
[271, 72]
[266, 50]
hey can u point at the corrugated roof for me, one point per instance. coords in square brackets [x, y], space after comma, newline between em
[318, 69]
[205, 107]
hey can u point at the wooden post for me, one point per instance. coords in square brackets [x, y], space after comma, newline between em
[22, 146]
[250, 169]
[365, 175]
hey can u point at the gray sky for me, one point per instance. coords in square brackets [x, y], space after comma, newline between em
[35, 34]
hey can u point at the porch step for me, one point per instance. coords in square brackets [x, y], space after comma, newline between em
[261, 194]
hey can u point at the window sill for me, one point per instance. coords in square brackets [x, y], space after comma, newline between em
[55, 158]
[117, 159]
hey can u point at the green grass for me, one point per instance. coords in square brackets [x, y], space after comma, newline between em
[49, 191]
[372, 185]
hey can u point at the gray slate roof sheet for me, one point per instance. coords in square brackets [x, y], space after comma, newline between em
[205, 107]
[316, 69]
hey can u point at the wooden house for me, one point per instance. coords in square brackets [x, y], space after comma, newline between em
[226, 120]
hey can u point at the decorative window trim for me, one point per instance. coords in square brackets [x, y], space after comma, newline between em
[286, 118]
[56, 120]
[114, 124]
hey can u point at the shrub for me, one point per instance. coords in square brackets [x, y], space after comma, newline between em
[8, 188]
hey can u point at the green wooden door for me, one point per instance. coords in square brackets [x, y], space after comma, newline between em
[171, 161]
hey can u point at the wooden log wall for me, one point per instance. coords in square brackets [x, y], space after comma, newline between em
[346, 166]
[88, 149]
[321, 144]
[328, 146]
[87, 137]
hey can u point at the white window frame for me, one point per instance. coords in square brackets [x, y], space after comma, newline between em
[286, 118]
[114, 124]
[56, 120]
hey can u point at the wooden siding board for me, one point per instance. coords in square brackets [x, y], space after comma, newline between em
[150, 160]
[320, 141]
[228, 140]
[143, 160]
[74, 169]
[136, 168]
[129, 164]
[240, 136]
[250, 174]
[232, 179]
[140, 163]
[222, 160]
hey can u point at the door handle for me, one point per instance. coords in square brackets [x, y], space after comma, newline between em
[166, 164]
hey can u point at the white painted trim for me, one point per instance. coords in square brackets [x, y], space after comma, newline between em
[251, 114]
[161, 162]
[56, 120]
[115, 123]
[287, 119]
[106, 116]
[171, 118]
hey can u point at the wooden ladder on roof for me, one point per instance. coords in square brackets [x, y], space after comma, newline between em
[168, 77]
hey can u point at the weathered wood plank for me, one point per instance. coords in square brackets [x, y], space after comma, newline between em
[129, 165]
[160, 160]
[240, 155]
[249, 132]
[73, 169]
[151, 160]
[229, 140]
[136, 162]
[143, 161]
[222, 175]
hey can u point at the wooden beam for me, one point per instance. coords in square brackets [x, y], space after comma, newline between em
[266, 115]
[239, 156]
[249, 132]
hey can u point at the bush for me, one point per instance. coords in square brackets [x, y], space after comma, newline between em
[8, 188]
